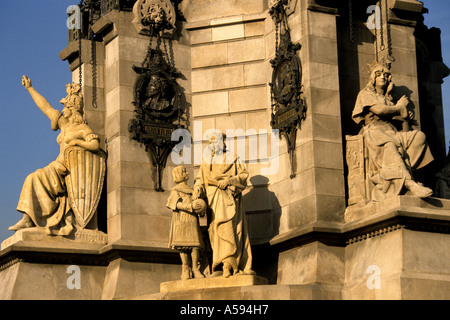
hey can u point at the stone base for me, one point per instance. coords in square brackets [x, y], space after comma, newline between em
[31, 269]
[21, 280]
[38, 236]
[214, 282]
[35, 266]
[127, 278]
[400, 264]
[398, 249]
[429, 206]
[258, 292]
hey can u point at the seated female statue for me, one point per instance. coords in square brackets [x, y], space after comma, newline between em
[393, 154]
[44, 200]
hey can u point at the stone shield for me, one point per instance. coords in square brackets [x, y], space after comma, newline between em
[84, 181]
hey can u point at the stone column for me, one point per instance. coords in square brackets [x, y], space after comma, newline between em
[231, 73]
[229, 83]
[136, 212]
[137, 218]
[315, 198]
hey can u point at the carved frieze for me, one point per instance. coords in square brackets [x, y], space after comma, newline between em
[154, 14]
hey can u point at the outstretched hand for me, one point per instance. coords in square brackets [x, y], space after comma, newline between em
[26, 82]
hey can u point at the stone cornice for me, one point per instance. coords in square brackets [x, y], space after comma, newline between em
[430, 215]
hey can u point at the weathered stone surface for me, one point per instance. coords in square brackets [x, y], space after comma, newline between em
[407, 265]
[126, 279]
[215, 282]
[304, 243]
[205, 10]
[311, 263]
[24, 281]
[37, 237]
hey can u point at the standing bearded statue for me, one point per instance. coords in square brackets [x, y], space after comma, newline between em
[220, 181]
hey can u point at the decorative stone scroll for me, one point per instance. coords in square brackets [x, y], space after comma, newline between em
[157, 13]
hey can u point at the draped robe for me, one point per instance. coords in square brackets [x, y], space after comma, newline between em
[228, 226]
[393, 155]
[44, 195]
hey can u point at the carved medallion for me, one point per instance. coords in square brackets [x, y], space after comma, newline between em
[286, 86]
[157, 95]
[160, 14]
[288, 106]
[156, 92]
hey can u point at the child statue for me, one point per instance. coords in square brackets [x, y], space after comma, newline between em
[185, 235]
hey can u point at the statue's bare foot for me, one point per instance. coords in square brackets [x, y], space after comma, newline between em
[226, 270]
[197, 273]
[25, 222]
[249, 272]
[185, 272]
[418, 190]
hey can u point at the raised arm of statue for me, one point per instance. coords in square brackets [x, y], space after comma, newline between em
[40, 101]
[65, 193]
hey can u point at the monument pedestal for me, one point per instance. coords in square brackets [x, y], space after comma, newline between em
[395, 249]
[214, 282]
[302, 241]
[35, 266]
[38, 236]
[398, 249]
[259, 292]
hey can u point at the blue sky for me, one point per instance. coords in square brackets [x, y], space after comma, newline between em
[32, 33]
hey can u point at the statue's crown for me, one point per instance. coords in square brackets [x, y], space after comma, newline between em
[382, 64]
[74, 96]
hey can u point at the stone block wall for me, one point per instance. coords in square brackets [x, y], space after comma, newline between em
[316, 193]
[225, 61]
[231, 72]
[136, 213]
[223, 50]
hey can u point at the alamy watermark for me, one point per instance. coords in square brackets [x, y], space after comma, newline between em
[374, 280]
[236, 142]
[74, 280]
[374, 20]
[74, 19]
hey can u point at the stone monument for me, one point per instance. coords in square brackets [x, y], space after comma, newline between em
[323, 208]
